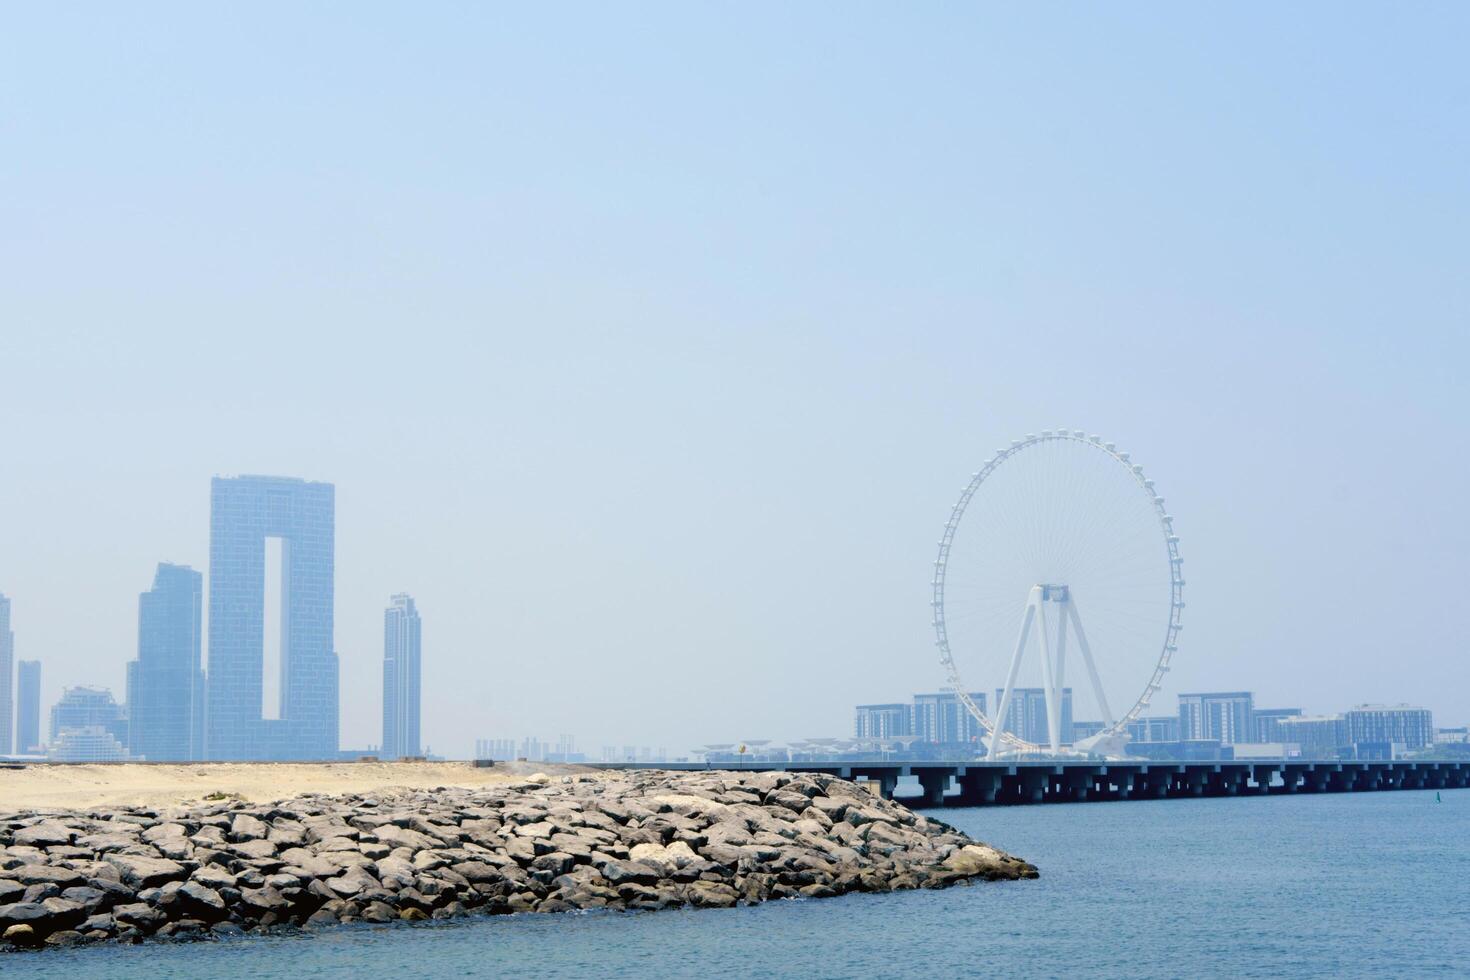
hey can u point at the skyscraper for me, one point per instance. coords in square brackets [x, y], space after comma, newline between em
[244, 512]
[7, 669]
[401, 649]
[28, 707]
[165, 683]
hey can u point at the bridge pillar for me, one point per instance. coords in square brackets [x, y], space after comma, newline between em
[1159, 780]
[979, 786]
[1263, 775]
[1192, 781]
[934, 780]
[1291, 779]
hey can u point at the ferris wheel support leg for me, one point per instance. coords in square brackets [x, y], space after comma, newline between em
[1097, 688]
[1032, 603]
[1058, 678]
[1048, 686]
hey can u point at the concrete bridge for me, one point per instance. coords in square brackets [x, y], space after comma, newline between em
[983, 783]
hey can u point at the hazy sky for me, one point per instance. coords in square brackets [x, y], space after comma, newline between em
[648, 346]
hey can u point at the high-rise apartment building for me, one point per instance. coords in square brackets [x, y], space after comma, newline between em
[166, 683]
[1226, 716]
[28, 707]
[944, 719]
[1317, 736]
[1154, 729]
[7, 671]
[244, 512]
[882, 721]
[1401, 723]
[1026, 716]
[1268, 723]
[401, 654]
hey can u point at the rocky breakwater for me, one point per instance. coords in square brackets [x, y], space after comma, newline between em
[646, 840]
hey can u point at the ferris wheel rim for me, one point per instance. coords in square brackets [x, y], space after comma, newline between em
[1176, 579]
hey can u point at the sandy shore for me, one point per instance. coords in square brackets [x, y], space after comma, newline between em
[81, 787]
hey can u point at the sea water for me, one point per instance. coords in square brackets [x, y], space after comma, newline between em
[1334, 885]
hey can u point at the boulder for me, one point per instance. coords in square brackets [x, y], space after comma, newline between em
[246, 827]
[21, 935]
[39, 874]
[255, 848]
[143, 872]
[44, 834]
[198, 901]
[139, 915]
[89, 898]
[630, 872]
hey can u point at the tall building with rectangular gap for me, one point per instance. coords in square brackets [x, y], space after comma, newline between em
[401, 649]
[166, 683]
[244, 512]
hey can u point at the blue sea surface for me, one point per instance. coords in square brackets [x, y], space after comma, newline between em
[1337, 885]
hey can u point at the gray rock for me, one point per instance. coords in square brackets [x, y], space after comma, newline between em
[143, 872]
[115, 891]
[44, 834]
[245, 827]
[198, 901]
[212, 876]
[65, 913]
[31, 914]
[257, 903]
[89, 898]
[38, 874]
[160, 831]
[402, 837]
[254, 848]
[101, 922]
[379, 912]
[630, 872]
[105, 842]
[41, 891]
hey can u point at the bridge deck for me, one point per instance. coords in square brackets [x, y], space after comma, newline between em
[983, 783]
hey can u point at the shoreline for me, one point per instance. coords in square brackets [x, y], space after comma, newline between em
[544, 843]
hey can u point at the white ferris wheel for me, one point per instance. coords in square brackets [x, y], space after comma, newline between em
[1054, 530]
